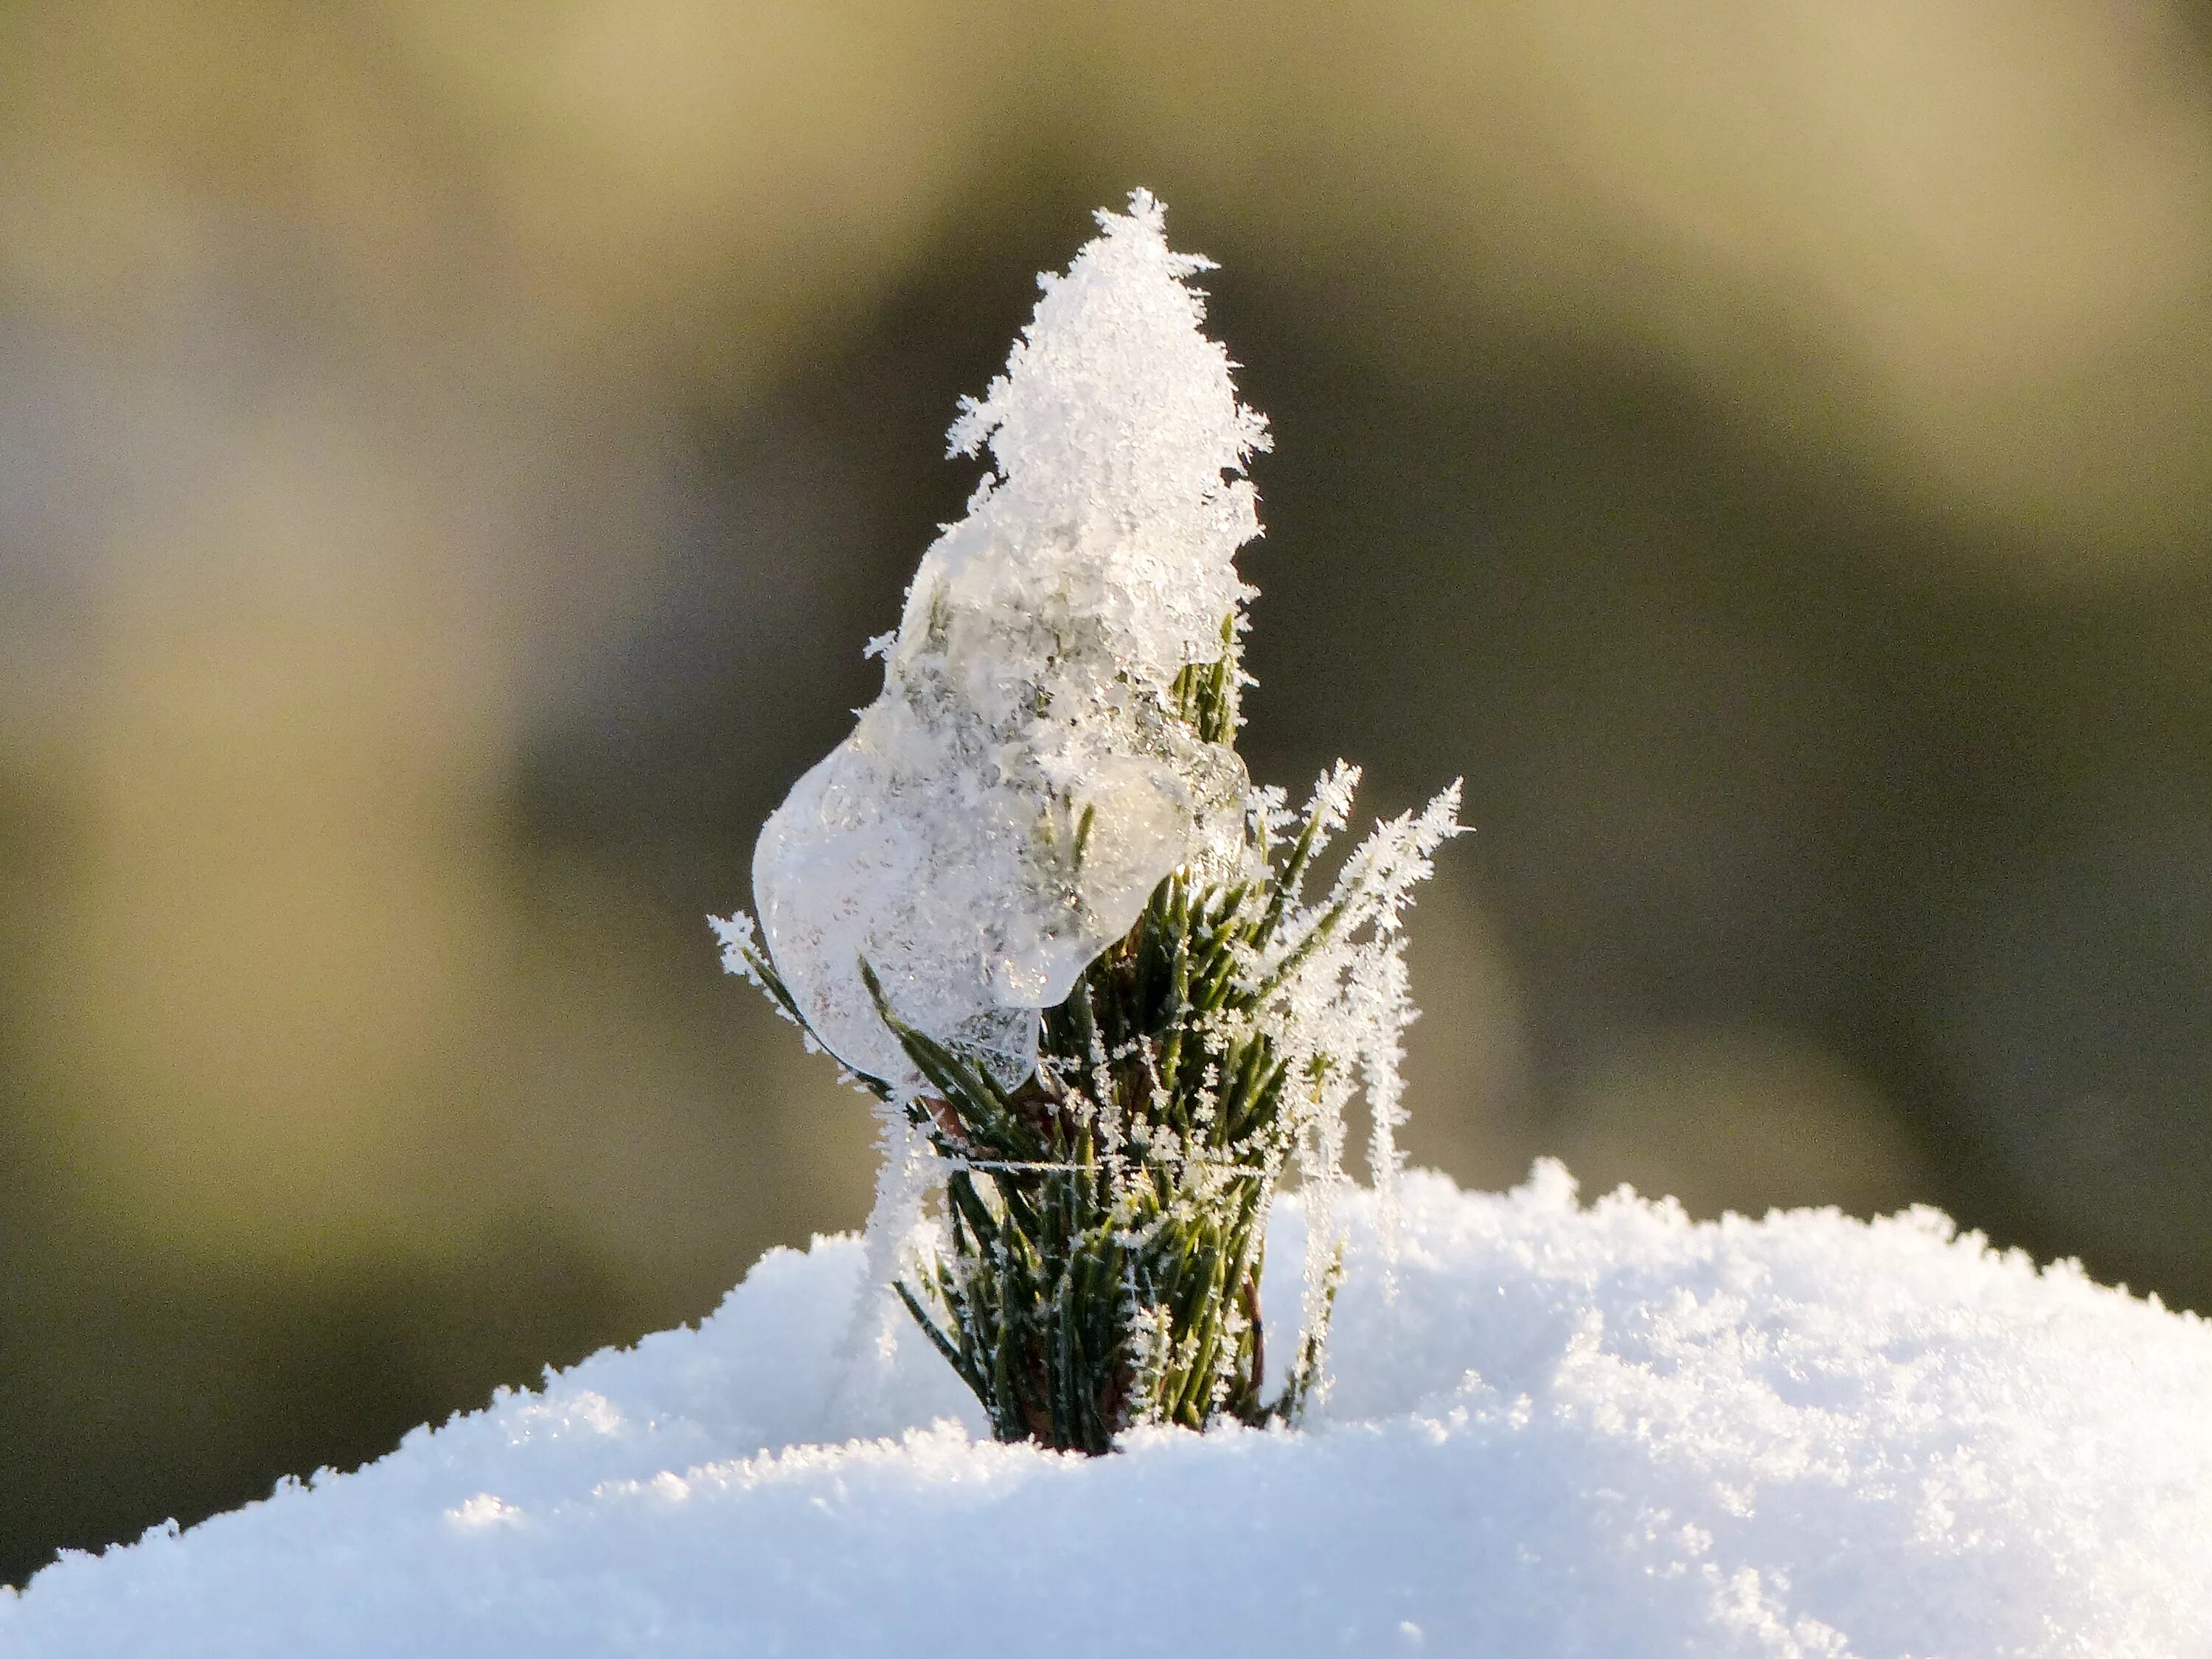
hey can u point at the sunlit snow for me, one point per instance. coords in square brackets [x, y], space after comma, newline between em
[1599, 1431]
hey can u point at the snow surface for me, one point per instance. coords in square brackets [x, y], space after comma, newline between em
[1600, 1430]
[945, 841]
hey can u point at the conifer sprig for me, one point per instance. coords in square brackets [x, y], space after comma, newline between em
[1104, 1223]
[1044, 806]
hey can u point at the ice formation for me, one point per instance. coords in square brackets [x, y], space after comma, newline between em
[1055, 736]
[1004, 809]
[1599, 1430]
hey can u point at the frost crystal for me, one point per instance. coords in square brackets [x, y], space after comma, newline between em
[1005, 808]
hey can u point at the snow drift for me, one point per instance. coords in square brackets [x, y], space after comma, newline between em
[1573, 1431]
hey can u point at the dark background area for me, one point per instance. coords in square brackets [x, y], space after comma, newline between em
[450, 459]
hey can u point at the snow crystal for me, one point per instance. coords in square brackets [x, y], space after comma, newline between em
[1573, 1431]
[1004, 809]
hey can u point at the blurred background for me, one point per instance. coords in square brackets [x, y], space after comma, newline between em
[451, 455]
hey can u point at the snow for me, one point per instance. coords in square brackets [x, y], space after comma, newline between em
[945, 841]
[1598, 1430]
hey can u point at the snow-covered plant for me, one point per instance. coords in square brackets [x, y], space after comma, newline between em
[1035, 905]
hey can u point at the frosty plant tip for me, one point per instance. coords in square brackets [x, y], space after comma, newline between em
[1035, 905]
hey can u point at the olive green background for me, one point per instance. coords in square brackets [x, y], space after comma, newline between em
[451, 457]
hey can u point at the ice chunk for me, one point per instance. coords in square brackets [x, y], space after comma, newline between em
[1004, 807]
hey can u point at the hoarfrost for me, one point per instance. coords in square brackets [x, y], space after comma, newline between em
[1340, 1011]
[1004, 809]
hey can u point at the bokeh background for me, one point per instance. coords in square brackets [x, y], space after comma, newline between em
[451, 456]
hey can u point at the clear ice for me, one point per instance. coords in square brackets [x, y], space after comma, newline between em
[1003, 809]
